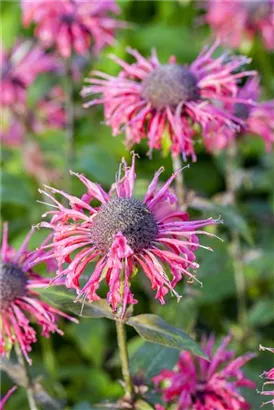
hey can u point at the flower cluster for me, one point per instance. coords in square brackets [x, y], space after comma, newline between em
[198, 384]
[165, 101]
[121, 234]
[258, 118]
[269, 376]
[19, 302]
[235, 21]
[19, 69]
[73, 24]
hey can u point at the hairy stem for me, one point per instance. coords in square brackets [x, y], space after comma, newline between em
[122, 344]
[177, 165]
[29, 388]
[70, 120]
[235, 245]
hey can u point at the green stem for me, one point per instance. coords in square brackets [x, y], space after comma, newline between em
[177, 165]
[122, 344]
[29, 388]
[235, 245]
[70, 120]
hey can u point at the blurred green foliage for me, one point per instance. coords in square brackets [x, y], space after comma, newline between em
[80, 367]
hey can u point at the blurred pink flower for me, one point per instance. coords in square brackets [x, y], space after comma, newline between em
[19, 302]
[197, 384]
[12, 131]
[269, 376]
[166, 101]
[122, 233]
[19, 68]
[235, 21]
[49, 113]
[258, 118]
[73, 24]
[6, 397]
[36, 164]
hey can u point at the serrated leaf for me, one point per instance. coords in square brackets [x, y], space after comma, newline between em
[149, 359]
[156, 330]
[95, 310]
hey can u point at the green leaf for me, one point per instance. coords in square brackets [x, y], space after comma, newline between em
[95, 310]
[262, 313]
[149, 359]
[16, 190]
[97, 163]
[143, 405]
[156, 330]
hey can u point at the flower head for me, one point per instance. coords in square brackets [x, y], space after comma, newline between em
[269, 376]
[19, 68]
[164, 101]
[73, 24]
[235, 21]
[19, 302]
[197, 384]
[6, 397]
[258, 118]
[122, 234]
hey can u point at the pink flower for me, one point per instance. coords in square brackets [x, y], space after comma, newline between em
[12, 130]
[122, 234]
[73, 24]
[269, 376]
[196, 384]
[236, 21]
[164, 101]
[50, 111]
[19, 302]
[20, 68]
[6, 397]
[18, 122]
[258, 118]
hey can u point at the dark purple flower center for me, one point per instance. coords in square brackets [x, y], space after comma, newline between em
[129, 216]
[168, 85]
[12, 284]
[258, 9]
[241, 111]
[68, 18]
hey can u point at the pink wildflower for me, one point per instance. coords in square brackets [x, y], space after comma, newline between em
[73, 24]
[159, 101]
[235, 21]
[6, 397]
[258, 118]
[196, 384]
[121, 234]
[19, 302]
[269, 376]
[19, 68]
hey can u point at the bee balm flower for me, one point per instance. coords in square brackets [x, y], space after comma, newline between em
[196, 384]
[18, 302]
[19, 69]
[237, 20]
[73, 24]
[269, 376]
[121, 234]
[160, 101]
[258, 118]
